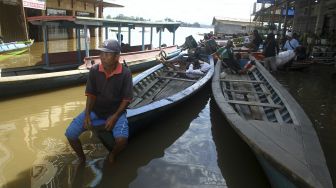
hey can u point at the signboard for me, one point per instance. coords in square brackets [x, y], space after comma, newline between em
[35, 4]
[291, 12]
[266, 1]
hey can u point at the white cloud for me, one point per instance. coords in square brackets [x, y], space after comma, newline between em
[184, 10]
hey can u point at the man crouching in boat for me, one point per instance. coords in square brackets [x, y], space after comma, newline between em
[109, 90]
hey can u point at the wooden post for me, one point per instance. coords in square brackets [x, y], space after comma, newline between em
[320, 18]
[160, 37]
[151, 37]
[119, 34]
[45, 41]
[85, 41]
[129, 35]
[24, 21]
[79, 55]
[174, 36]
[285, 25]
[106, 33]
[143, 38]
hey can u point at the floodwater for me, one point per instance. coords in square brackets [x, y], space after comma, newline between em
[190, 146]
[315, 91]
[62, 45]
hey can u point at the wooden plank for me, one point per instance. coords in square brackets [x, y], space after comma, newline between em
[135, 102]
[147, 87]
[245, 91]
[183, 72]
[254, 104]
[179, 79]
[150, 98]
[270, 100]
[247, 81]
[239, 109]
[258, 111]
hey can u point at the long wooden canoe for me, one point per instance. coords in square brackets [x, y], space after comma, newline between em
[12, 48]
[155, 91]
[273, 124]
[15, 81]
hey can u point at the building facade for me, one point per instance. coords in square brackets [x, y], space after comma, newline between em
[315, 16]
[229, 26]
[18, 28]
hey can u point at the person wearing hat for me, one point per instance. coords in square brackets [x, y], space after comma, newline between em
[291, 43]
[109, 90]
[226, 55]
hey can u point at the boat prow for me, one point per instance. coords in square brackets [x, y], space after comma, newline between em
[155, 91]
[273, 124]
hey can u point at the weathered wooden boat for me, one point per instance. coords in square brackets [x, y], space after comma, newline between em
[13, 48]
[15, 81]
[139, 60]
[272, 123]
[155, 91]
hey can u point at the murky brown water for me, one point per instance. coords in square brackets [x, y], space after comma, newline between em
[33, 56]
[315, 91]
[191, 146]
[193, 140]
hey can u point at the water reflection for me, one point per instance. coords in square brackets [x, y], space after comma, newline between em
[237, 162]
[31, 129]
[190, 162]
[50, 162]
[315, 91]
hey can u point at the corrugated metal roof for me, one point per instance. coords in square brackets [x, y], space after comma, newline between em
[105, 3]
[218, 18]
[79, 22]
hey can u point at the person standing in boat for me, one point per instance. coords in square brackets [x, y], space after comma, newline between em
[256, 40]
[109, 90]
[271, 49]
[291, 43]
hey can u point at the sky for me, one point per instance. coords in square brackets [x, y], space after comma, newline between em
[190, 11]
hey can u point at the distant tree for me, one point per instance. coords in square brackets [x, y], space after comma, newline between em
[196, 24]
[108, 17]
[168, 20]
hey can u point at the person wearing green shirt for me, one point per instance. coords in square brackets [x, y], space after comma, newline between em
[225, 54]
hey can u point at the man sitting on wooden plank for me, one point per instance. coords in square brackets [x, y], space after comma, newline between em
[109, 91]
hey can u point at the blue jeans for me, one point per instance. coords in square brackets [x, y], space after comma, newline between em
[76, 127]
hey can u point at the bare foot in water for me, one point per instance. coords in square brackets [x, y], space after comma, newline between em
[111, 158]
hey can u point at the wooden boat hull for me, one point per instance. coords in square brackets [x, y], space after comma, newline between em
[39, 78]
[139, 117]
[14, 48]
[282, 138]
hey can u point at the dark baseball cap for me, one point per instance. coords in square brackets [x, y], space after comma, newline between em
[111, 46]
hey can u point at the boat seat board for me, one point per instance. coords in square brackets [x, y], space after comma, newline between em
[246, 91]
[183, 72]
[180, 79]
[150, 98]
[269, 99]
[254, 104]
[147, 87]
[172, 88]
[242, 81]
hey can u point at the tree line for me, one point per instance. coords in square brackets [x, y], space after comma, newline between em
[123, 17]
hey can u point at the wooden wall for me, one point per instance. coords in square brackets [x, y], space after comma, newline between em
[11, 21]
[66, 5]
